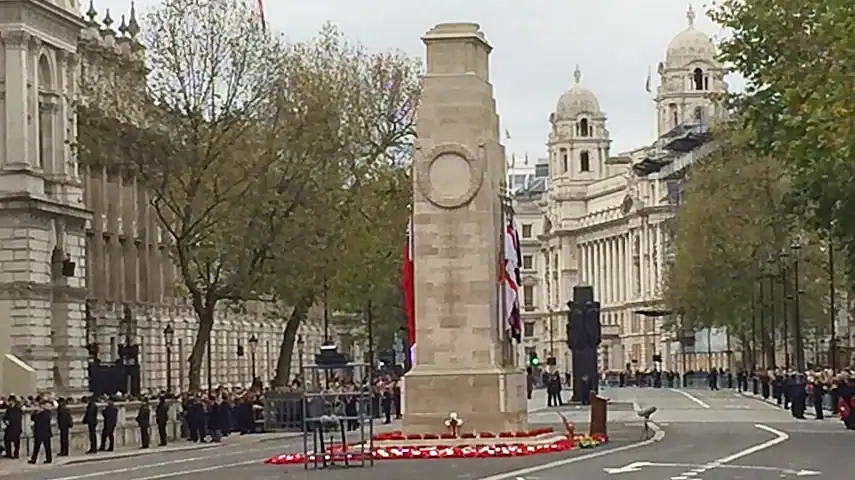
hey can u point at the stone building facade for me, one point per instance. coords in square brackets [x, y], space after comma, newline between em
[595, 218]
[77, 238]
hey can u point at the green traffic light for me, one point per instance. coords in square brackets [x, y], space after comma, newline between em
[535, 361]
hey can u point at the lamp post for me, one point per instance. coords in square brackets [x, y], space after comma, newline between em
[301, 344]
[549, 313]
[128, 352]
[763, 346]
[168, 338]
[253, 345]
[771, 275]
[784, 280]
[832, 307]
[91, 326]
[799, 346]
[753, 327]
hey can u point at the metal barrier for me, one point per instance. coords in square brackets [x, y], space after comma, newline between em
[283, 412]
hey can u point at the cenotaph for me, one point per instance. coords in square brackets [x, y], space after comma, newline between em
[459, 167]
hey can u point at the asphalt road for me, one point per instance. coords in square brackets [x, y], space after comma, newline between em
[705, 436]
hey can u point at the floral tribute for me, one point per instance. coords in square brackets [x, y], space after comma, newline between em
[504, 444]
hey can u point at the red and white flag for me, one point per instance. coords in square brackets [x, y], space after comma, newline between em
[511, 283]
[408, 285]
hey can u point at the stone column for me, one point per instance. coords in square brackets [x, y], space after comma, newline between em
[458, 165]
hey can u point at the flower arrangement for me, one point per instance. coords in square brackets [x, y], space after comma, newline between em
[453, 423]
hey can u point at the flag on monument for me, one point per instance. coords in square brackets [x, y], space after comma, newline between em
[408, 286]
[512, 283]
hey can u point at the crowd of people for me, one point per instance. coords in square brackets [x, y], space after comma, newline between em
[797, 391]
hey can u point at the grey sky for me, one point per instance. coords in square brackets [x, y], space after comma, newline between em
[537, 46]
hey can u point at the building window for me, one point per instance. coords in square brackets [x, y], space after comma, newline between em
[584, 128]
[585, 161]
[698, 77]
[526, 230]
[527, 262]
[636, 353]
[528, 297]
[635, 324]
[564, 162]
[699, 114]
[675, 115]
[528, 329]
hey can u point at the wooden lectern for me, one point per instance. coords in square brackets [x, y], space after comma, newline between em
[599, 414]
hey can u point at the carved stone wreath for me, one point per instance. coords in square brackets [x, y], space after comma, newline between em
[451, 175]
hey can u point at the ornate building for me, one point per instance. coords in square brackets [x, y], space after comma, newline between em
[601, 218]
[79, 245]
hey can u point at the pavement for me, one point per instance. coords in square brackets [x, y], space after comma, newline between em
[701, 435]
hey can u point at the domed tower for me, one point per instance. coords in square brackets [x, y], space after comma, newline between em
[579, 142]
[688, 79]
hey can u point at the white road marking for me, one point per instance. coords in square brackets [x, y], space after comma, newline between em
[637, 466]
[148, 466]
[691, 397]
[658, 436]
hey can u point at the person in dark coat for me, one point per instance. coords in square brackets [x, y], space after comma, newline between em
[214, 419]
[41, 433]
[817, 391]
[144, 422]
[798, 397]
[196, 420]
[111, 418]
[90, 419]
[13, 419]
[161, 417]
[64, 423]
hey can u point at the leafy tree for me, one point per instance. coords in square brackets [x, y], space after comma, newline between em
[729, 236]
[798, 102]
[227, 153]
[360, 209]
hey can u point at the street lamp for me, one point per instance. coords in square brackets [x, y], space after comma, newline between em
[799, 346]
[253, 345]
[784, 279]
[832, 307]
[763, 346]
[301, 344]
[129, 352]
[771, 274]
[91, 326]
[168, 338]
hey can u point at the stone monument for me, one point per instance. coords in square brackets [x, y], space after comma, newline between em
[460, 363]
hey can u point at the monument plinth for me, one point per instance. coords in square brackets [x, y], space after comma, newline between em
[459, 166]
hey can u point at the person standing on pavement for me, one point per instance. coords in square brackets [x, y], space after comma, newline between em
[14, 422]
[90, 419]
[161, 417]
[41, 432]
[215, 419]
[64, 423]
[144, 422]
[111, 418]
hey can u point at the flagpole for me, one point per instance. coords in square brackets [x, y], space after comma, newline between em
[504, 325]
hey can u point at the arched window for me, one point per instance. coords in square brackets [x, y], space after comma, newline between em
[564, 162]
[585, 161]
[699, 114]
[584, 128]
[699, 79]
[675, 114]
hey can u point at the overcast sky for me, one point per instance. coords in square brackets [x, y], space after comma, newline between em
[537, 46]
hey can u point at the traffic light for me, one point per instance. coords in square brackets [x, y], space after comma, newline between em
[533, 360]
